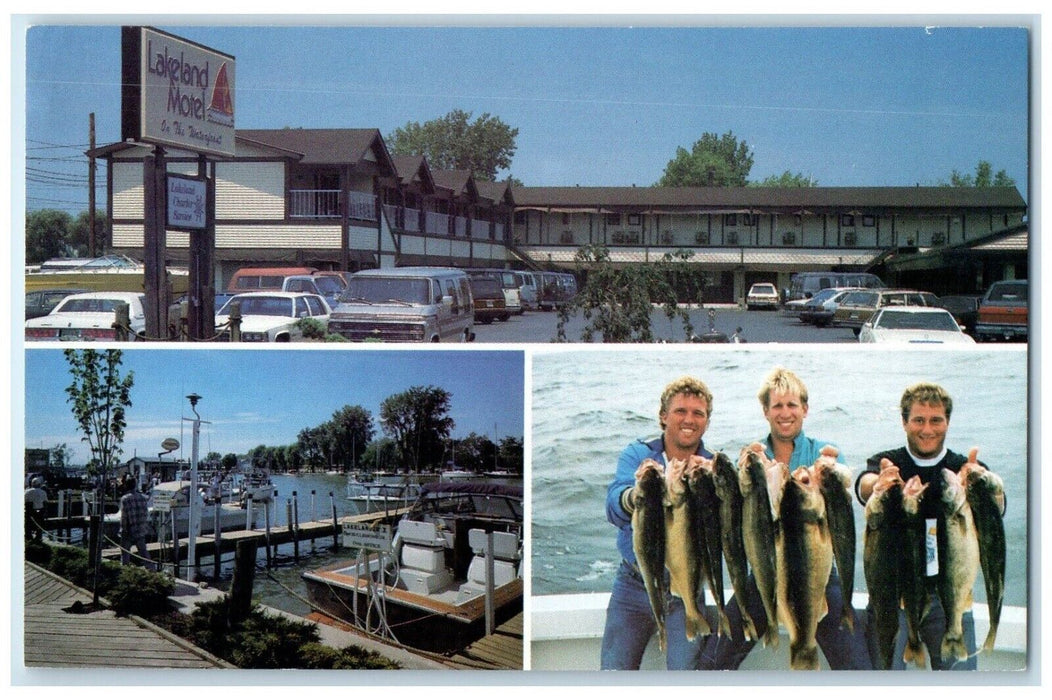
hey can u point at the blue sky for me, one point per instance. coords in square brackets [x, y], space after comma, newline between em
[594, 105]
[254, 397]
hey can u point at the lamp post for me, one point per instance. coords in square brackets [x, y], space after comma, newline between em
[193, 516]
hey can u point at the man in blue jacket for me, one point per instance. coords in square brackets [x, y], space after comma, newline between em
[686, 405]
[783, 397]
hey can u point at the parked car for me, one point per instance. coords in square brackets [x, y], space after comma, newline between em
[527, 289]
[965, 309]
[273, 317]
[489, 300]
[913, 324]
[509, 282]
[762, 295]
[1003, 312]
[41, 302]
[406, 304]
[555, 289]
[859, 306]
[820, 309]
[805, 285]
[88, 316]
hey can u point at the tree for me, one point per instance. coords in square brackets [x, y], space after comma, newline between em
[786, 179]
[452, 142]
[617, 301]
[418, 421]
[79, 233]
[510, 454]
[713, 161]
[48, 235]
[60, 456]
[100, 397]
[350, 430]
[983, 177]
[475, 452]
[380, 454]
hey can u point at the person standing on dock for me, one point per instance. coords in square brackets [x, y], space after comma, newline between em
[36, 499]
[135, 518]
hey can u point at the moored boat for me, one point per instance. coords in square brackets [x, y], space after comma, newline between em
[425, 583]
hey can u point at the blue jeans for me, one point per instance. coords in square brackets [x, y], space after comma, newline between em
[933, 627]
[630, 625]
[843, 650]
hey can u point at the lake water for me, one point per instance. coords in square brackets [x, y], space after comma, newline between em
[587, 405]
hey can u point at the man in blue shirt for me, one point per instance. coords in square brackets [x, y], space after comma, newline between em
[783, 397]
[686, 405]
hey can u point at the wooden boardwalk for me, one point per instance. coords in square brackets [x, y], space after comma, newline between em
[58, 636]
[501, 650]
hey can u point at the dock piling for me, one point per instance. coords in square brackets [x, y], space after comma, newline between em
[335, 524]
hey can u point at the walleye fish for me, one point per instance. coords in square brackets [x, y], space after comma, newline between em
[706, 518]
[835, 483]
[648, 538]
[985, 496]
[681, 552]
[958, 562]
[882, 547]
[804, 554]
[730, 496]
[913, 588]
[758, 534]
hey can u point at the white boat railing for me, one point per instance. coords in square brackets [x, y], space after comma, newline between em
[566, 632]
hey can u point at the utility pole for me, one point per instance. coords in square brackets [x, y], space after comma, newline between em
[91, 185]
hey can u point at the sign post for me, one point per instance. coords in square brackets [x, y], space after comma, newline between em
[177, 94]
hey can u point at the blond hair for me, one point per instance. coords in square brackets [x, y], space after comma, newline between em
[782, 381]
[684, 385]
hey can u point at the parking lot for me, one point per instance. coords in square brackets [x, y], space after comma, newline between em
[757, 327]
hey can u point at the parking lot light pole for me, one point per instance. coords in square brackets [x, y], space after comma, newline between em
[191, 531]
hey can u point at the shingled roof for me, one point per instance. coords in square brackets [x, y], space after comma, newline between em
[326, 146]
[781, 198]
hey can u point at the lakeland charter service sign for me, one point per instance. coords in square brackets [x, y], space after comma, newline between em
[176, 93]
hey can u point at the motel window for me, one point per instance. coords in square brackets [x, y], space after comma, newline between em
[730, 219]
[612, 219]
[869, 220]
[847, 219]
[633, 219]
[566, 218]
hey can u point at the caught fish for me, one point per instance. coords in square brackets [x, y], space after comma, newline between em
[913, 571]
[648, 537]
[804, 555]
[681, 552]
[985, 492]
[835, 483]
[958, 562]
[882, 547]
[725, 478]
[758, 534]
[706, 518]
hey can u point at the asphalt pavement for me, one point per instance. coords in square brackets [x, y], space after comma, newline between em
[757, 327]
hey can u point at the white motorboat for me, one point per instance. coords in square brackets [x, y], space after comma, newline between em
[429, 582]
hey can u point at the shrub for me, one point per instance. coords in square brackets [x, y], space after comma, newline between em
[71, 563]
[312, 328]
[38, 553]
[141, 592]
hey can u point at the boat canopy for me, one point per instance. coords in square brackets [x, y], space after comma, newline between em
[469, 488]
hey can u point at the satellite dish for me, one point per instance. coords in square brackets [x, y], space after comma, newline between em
[170, 444]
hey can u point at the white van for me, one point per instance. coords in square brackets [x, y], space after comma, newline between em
[406, 305]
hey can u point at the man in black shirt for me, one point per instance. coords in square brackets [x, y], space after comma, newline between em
[926, 410]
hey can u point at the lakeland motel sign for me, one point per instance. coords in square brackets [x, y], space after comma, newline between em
[179, 95]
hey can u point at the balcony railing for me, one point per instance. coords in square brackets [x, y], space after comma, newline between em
[437, 223]
[325, 204]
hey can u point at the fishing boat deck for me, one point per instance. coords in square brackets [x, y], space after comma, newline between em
[500, 650]
[56, 636]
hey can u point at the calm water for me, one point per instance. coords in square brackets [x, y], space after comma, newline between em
[587, 406]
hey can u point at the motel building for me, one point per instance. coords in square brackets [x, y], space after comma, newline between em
[337, 199]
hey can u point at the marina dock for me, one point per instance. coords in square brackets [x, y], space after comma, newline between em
[61, 630]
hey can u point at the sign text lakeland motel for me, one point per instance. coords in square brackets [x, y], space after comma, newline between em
[178, 94]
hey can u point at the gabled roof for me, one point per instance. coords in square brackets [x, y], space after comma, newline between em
[496, 192]
[414, 168]
[784, 198]
[458, 182]
[326, 146]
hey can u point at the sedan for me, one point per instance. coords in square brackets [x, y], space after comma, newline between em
[273, 317]
[89, 316]
[913, 324]
[41, 302]
[762, 294]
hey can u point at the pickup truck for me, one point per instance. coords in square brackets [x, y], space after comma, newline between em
[1003, 312]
